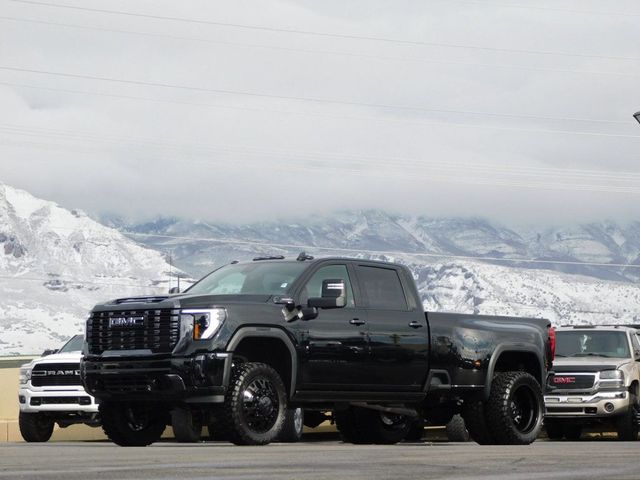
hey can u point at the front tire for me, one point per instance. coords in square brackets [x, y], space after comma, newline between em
[187, 426]
[35, 427]
[255, 405]
[627, 423]
[515, 408]
[131, 424]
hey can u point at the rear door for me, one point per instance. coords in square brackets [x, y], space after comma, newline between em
[398, 333]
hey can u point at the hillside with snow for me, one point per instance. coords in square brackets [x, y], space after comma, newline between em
[55, 264]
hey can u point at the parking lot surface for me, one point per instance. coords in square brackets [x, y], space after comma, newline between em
[327, 458]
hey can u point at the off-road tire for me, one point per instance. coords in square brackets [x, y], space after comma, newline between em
[366, 426]
[132, 425]
[473, 413]
[187, 426]
[253, 422]
[293, 426]
[572, 432]
[35, 427]
[457, 430]
[627, 423]
[515, 408]
[554, 429]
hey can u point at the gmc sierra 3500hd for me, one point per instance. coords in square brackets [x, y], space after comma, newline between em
[596, 382]
[252, 341]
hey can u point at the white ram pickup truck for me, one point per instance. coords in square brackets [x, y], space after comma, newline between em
[595, 382]
[51, 392]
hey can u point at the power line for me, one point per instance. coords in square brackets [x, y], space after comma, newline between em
[391, 171]
[319, 34]
[323, 52]
[385, 119]
[330, 101]
[290, 168]
[545, 172]
[391, 167]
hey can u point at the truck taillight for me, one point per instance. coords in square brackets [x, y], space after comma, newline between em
[552, 342]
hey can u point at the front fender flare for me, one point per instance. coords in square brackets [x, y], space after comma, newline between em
[261, 332]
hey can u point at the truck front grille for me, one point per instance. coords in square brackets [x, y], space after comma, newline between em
[571, 381]
[55, 374]
[36, 401]
[155, 330]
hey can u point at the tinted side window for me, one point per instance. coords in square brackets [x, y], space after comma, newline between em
[313, 288]
[382, 288]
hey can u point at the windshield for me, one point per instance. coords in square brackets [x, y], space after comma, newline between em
[73, 345]
[268, 278]
[592, 343]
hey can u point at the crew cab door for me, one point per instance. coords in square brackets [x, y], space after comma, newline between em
[334, 347]
[398, 331]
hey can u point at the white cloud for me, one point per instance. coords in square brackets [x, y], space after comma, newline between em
[239, 157]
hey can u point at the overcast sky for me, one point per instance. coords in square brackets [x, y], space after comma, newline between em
[434, 107]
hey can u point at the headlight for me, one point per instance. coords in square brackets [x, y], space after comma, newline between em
[25, 375]
[612, 375]
[204, 322]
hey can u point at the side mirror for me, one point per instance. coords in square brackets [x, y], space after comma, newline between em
[49, 351]
[173, 290]
[334, 295]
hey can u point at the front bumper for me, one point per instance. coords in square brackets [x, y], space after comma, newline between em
[200, 378]
[599, 404]
[56, 399]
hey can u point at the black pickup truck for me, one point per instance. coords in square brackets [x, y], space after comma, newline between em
[252, 342]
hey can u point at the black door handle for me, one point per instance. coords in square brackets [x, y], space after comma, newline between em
[415, 324]
[356, 321]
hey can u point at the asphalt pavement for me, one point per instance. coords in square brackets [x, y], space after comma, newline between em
[322, 458]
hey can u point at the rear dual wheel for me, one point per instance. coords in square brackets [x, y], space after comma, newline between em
[511, 416]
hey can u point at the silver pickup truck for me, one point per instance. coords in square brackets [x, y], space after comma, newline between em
[594, 383]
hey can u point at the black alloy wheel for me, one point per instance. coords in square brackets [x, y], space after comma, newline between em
[254, 409]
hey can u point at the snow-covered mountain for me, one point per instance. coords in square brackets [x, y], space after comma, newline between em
[55, 264]
[438, 251]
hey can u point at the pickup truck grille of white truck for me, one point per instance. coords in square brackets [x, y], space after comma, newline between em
[156, 330]
[55, 374]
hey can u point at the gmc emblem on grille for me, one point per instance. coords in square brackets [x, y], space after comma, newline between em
[564, 380]
[120, 322]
